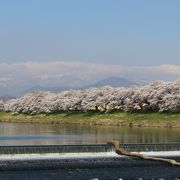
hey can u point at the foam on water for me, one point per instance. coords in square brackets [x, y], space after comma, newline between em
[80, 155]
[161, 153]
[58, 156]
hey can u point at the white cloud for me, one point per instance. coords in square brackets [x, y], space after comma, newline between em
[4, 79]
[58, 73]
[56, 67]
[46, 70]
[167, 68]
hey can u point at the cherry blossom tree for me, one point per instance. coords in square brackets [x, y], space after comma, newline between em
[158, 96]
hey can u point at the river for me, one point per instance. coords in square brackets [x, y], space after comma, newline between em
[29, 134]
[26, 133]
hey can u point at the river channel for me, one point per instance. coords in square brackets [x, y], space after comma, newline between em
[29, 134]
[26, 133]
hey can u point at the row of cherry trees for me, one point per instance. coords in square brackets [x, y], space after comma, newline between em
[157, 96]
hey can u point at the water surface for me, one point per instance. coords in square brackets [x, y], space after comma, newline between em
[26, 133]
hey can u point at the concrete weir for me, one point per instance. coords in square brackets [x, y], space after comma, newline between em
[82, 156]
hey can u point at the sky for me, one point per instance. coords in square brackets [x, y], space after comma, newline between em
[122, 32]
[76, 43]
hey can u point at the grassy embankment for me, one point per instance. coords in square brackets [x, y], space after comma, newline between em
[96, 118]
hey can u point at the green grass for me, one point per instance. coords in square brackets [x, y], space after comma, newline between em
[97, 118]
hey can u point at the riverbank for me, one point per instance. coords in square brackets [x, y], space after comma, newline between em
[170, 120]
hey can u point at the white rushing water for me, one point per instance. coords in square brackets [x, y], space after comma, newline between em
[58, 156]
[80, 155]
[161, 153]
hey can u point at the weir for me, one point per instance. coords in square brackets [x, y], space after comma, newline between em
[33, 157]
[49, 149]
[89, 148]
[155, 147]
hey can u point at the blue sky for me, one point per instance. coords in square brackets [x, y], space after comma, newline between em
[125, 32]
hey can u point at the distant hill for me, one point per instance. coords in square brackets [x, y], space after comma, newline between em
[111, 81]
[52, 89]
[6, 97]
[114, 82]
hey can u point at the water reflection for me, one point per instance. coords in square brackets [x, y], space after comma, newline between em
[20, 133]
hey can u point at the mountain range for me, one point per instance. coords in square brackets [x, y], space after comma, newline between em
[115, 82]
[110, 81]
